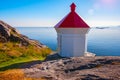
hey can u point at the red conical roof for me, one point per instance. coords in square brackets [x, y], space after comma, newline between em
[72, 20]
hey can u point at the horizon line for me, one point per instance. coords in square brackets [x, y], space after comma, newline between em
[53, 26]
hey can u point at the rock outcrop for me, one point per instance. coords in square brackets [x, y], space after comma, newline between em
[76, 68]
[10, 34]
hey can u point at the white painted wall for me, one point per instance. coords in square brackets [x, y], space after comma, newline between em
[72, 42]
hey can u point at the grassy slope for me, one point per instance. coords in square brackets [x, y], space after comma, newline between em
[12, 55]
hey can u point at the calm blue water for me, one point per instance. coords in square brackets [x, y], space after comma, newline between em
[102, 42]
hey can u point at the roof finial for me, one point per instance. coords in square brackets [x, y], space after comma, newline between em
[72, 7]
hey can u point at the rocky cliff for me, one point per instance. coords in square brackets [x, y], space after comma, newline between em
[10, 34]
[14, 45]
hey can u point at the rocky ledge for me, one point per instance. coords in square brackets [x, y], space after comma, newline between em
[10, 34]
[76, 68]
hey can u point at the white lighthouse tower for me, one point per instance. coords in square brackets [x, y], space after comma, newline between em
[71, 35]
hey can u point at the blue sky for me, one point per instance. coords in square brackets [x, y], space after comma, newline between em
[50, 12]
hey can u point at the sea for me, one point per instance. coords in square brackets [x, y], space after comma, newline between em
[101, 41]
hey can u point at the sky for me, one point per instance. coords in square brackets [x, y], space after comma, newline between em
[47, 13]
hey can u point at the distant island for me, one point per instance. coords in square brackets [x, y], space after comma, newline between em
[102, 27]
[107, 27]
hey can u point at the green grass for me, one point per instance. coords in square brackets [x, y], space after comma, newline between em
[18, 63]
[12, 55]
[19, 60]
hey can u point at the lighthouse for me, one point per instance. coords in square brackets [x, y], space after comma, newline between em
[71, 35]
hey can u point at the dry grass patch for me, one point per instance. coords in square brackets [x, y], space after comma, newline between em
[15, 74]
